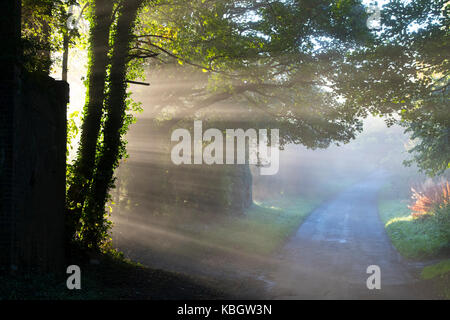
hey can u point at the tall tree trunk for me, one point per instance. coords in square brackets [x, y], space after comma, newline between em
[97, 70]
[115, 108]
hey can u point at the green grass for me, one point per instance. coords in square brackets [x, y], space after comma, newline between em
[267, 225]
[440, 274]
[417, 239]
[436, 270]
[413, 238]
[264, 228]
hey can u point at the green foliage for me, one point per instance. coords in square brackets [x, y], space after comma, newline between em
[436, 270]
[108, 112]
[79, 174]
[273, 59]
[44, 22]
[309, 68]
[413, 238]
[442, 216]
[429, 125]
[404, 76]
[72, 130]
[232, 55]
[440, 274]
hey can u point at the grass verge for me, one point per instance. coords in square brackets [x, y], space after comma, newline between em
[413, 238]
[439, 274]
[264, 228]
[266, 225]
[417, 239]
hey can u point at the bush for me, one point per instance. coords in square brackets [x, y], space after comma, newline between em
[442, 216]
[433, 197]
[424, 233]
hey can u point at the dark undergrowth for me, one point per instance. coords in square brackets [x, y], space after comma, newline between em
[108, 276]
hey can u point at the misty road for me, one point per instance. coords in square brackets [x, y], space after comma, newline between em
[328, 256]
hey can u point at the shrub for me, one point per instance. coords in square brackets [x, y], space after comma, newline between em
[433, 197]
[442, 216]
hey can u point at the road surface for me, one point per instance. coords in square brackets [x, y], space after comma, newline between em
[328, 256]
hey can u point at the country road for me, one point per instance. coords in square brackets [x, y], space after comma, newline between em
[328, 256]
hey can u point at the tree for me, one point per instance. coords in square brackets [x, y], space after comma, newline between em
[44, 22]
[277, 62]
[104, 109]
[112, 148]
[404, 75]
[274, 57]
[101, 17]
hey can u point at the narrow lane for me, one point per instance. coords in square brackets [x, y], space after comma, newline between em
[329, 255]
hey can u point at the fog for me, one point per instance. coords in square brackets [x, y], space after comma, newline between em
[180, 218]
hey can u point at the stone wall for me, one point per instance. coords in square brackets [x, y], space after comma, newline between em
[150, 179]
[34, 181]
[10, 38]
